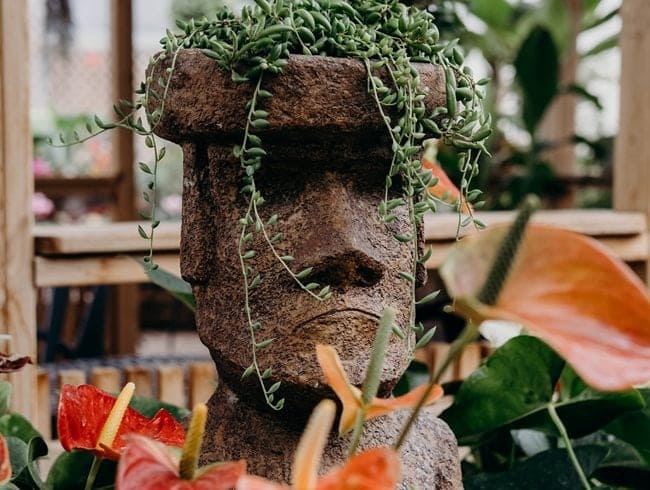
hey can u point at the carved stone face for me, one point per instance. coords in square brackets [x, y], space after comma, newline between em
[324, 178]
[329, 216]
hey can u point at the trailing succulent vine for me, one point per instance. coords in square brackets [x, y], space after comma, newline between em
[387, 36]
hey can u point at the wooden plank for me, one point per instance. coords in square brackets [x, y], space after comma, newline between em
[44, 418]
[103, 238]
[91, 270]
[171, 385]
[593, 222]
[632, 248]
[142, 378]
[632, 155]
[202, 381]
[73, 377]
[64, 186]
[106, 378]
[17, 294]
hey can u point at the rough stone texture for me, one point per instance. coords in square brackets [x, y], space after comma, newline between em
[314, 97]
[324, 174]
[429, 456]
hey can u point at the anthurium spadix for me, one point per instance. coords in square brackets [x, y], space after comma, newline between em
[568, 290]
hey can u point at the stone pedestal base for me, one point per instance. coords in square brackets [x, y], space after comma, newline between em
[267, 442]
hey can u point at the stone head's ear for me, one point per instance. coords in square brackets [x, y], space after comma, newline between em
[197, 237]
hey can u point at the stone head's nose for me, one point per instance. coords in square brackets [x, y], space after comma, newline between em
[337, 243]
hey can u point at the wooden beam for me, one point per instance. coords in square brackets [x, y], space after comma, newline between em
[17, 294]
[57, 240]
[632, 156]
[95, 270]
[124, 301]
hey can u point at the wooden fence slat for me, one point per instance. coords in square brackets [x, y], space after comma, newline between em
[44, 415]
[202, 381]
[106, 378]
[171, 387]
[142, 378]
[73, 377]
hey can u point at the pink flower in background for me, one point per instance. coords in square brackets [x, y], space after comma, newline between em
[42, 206]
[41, 168]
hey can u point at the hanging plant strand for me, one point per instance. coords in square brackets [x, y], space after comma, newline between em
[388, 37]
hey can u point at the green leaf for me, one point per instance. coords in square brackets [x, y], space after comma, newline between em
[18, 455]
[582, 92]
[70, 470]
[150, 406]
[550, 469]
[513, 389]
[605, 45]
[623, 467]
[537, 65]
[15, 425]
[5, 396]
[175, 285]
[634, 427]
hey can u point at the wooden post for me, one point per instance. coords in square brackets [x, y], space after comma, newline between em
[17, 292]
[558, 124]
[124, 320]
[632, 157]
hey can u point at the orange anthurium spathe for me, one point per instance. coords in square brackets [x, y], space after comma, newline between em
[375, 469]
[5, 462]
[568, 290]
[350, 395]
[149, 465]
[91, 419]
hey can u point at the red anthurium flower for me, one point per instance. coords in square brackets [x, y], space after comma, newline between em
[350, 395]
[5, 462]
[375, 469]
[570, 291]
[149, 465]
[91, 419]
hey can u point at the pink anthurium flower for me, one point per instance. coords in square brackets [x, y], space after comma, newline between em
[149, 465]
[350, 395]
[570, 291]
[375, 469]
[91, 419]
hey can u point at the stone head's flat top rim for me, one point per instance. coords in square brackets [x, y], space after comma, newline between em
[313, 95]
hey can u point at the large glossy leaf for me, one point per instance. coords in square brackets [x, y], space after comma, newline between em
[537, 65]
[513, 389]
[550, 469]
[13, 424]
[623, 467]
[70, 470]
[634, 428]
[568, 290]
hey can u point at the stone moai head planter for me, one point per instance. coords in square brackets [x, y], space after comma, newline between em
[323, 176]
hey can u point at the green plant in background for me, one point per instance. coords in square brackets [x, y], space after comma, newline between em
[533, 40]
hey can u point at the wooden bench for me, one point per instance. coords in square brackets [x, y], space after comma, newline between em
[82, 255]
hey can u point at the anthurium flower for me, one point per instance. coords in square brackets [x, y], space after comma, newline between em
[375, 469]
[350, 395]
[570, 291]
[91, 419]
[5, 462]
[149, 465]
[444, 189]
